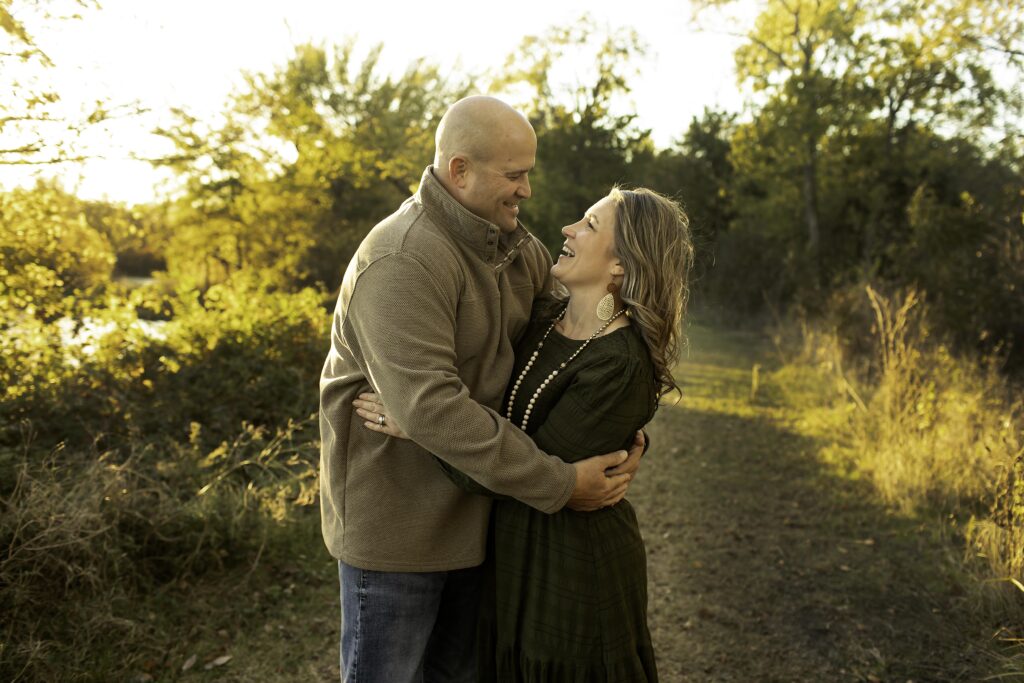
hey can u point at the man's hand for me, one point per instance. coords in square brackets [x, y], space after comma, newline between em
[594, 488]
[632, 463]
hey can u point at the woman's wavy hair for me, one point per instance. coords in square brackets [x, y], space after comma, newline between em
[652, 240]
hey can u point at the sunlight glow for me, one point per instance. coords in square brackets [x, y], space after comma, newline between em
[192, 54]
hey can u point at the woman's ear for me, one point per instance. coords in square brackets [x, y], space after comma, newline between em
[617, 269]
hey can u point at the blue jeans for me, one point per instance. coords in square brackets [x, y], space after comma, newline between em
[408, 627]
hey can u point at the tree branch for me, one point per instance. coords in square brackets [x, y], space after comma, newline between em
[760, 43]
[44, 162]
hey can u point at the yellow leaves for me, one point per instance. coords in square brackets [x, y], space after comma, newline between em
[170, 364]
[46, 242]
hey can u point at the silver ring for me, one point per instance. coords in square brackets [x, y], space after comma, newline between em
[380, 420]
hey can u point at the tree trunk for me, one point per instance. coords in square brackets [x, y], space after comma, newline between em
[810, 187]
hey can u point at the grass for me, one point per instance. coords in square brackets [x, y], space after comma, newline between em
[98, 548]
[773, 559]
[773, 553]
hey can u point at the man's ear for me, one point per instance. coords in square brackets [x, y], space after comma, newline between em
[458, 169]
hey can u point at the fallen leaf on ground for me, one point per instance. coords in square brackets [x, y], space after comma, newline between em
[220, 661]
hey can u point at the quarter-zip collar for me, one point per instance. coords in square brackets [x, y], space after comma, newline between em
[484, 239]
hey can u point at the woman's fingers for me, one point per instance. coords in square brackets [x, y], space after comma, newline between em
[369, 407]
[390, 430]
[371, 397]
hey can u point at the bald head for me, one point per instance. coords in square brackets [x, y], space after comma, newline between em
[485, 152]
[477, 128]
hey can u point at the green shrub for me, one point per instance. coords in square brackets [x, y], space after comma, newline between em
[238, 353]
[48, 251]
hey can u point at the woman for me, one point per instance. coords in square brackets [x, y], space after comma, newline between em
[567, 599]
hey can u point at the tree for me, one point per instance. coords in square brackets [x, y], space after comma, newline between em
[790, 59]
[307, 160]
[697, 170]
[34, 128]
[586, 133]
[844, 96]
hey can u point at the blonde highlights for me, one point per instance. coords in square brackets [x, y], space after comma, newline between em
[652, 241]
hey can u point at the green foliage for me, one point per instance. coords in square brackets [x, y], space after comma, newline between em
[699, 171]
[48, 251]
[238, 353]
[957, 250]
[847, 101]
[130, 461]
[308, 159]
[584, 143]
[138, 235]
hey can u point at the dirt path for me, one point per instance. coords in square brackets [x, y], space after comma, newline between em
[768, 565]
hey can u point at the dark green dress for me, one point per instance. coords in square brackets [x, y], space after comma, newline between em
[566, 597]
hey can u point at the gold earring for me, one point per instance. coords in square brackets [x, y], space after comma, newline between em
[606, 306]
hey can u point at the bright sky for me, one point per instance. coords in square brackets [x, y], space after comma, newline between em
[191, 53]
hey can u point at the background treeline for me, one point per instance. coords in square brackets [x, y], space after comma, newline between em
[870, 194]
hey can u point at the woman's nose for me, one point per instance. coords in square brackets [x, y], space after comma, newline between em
[567, 231]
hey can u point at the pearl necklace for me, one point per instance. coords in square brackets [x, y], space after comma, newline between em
[554, 373]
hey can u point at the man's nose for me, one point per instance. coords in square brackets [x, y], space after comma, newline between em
[524, 190]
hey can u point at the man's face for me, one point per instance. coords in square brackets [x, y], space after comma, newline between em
[494, 188]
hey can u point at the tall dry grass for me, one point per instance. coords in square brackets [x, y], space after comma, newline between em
[935, 432]
[82, 547]
[938, 430]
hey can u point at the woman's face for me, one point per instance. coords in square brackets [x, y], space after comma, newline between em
[588, 255]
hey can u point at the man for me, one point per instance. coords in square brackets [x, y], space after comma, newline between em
[428, 314]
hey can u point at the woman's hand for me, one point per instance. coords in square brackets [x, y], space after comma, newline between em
[371, 408]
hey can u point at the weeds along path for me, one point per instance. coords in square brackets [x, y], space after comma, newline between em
[767, 564]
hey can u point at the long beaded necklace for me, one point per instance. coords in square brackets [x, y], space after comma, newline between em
[554, 373]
